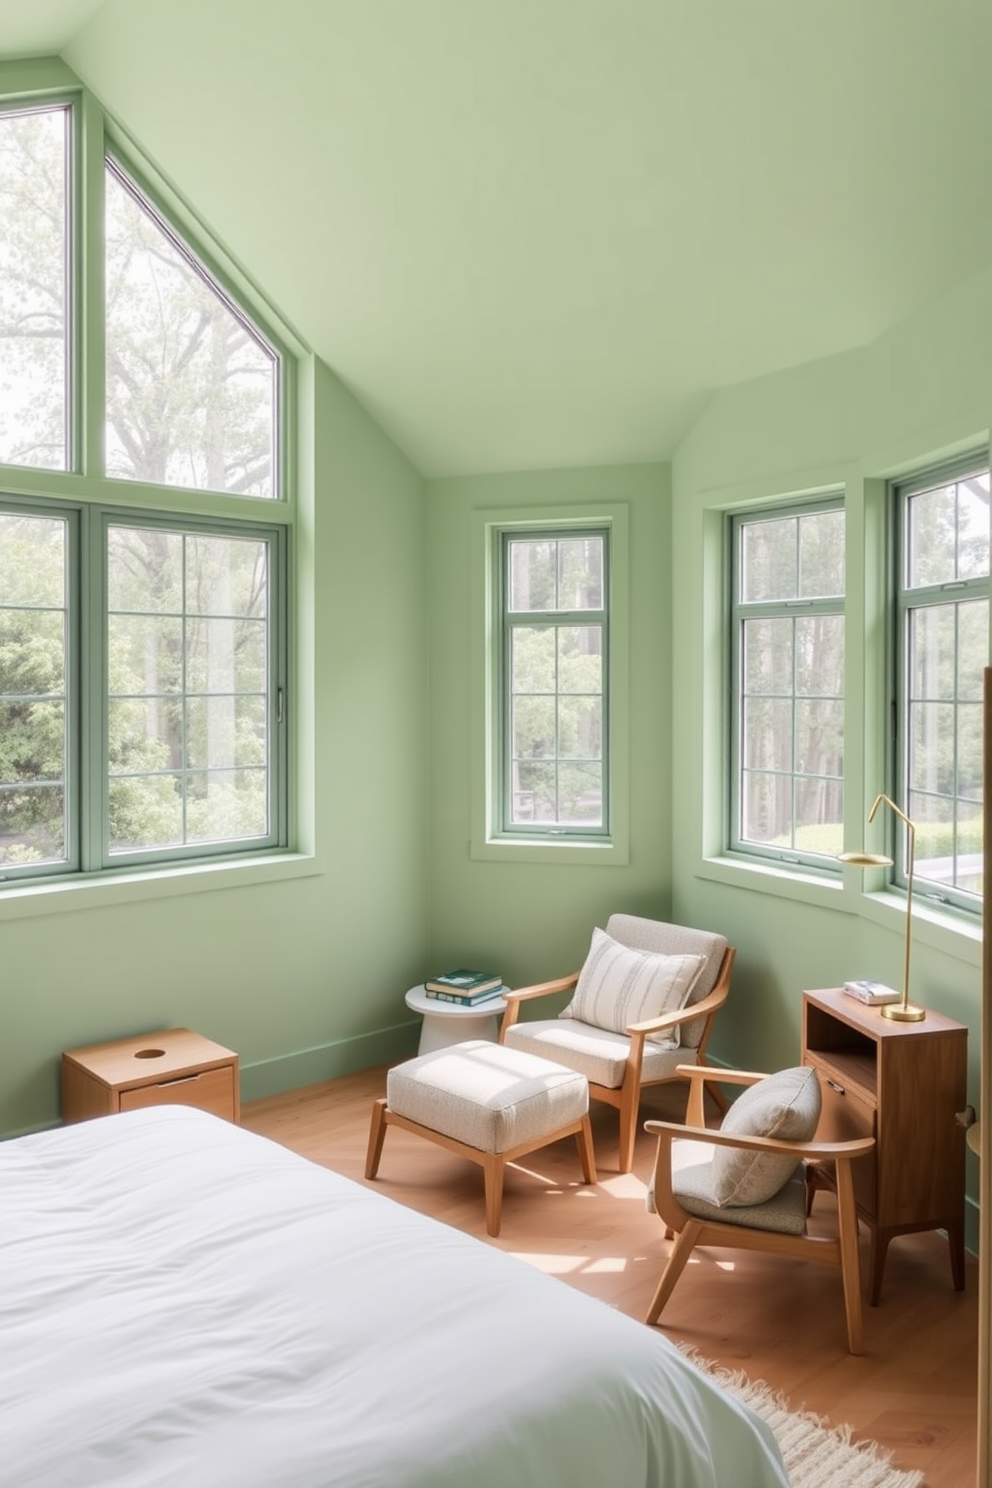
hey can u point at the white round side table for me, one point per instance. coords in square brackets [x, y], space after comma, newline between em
[447, 1023]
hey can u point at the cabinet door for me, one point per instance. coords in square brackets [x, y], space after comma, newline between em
[845, 1116]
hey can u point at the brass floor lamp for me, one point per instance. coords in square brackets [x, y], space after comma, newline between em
[902, 1011]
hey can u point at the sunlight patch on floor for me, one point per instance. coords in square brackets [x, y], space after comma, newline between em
[624, 1186]
[554, 1265]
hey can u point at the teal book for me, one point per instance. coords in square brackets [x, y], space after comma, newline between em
[466, 999]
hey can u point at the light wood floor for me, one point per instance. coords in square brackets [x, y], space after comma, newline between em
[914, 1390]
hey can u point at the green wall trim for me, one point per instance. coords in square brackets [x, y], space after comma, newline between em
[328, 1061]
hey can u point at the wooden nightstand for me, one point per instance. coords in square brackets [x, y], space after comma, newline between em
[174, 1067]
[903, 1084]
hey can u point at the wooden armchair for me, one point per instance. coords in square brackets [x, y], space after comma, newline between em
[619, 1066]
[778, 1225]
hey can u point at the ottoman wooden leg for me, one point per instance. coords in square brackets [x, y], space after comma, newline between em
[493, 1165]
[587, 1155]
[377, 1135]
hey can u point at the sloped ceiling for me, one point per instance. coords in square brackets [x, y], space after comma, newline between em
[543, 232]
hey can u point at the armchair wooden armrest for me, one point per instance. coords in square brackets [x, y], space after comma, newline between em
[700, 1072]
[687, 1014]
[514, 998]
[698, 1075]
[671, 1131]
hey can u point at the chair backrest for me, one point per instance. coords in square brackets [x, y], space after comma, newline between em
[675, 940]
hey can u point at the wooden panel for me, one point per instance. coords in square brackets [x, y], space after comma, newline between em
[921, 1160]
[134, 1061]
[845, 1116]
[210, 1090]
[83, 1097]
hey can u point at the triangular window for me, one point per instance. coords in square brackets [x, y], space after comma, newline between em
[192, 387]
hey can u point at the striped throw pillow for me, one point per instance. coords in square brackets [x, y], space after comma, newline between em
[618, 986]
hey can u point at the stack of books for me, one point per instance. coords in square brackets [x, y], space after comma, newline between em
[464, 987]
[874, 994]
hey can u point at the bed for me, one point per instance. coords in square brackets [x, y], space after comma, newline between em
[183, 1302]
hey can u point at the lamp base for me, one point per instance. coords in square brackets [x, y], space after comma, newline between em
[903, 1012]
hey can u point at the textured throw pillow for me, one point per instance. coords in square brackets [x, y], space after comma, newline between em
[785, 1105]
[618, 986]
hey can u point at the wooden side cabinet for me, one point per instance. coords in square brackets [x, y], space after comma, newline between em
[903, 1084]
[174, 1067]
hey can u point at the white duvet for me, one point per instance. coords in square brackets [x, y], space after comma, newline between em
[186, 1305]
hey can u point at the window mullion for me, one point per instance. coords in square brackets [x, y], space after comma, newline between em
[90, 318]
[91, 729]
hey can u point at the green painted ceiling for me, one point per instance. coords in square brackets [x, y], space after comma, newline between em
[542, 232]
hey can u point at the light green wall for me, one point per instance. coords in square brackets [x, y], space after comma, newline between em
[534, 920]
[921, 392]
[303, 976]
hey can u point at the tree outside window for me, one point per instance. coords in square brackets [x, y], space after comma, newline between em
[788, 667]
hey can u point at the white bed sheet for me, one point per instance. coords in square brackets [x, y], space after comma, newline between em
[185, 1303]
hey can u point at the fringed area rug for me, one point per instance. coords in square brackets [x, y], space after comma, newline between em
[815, 1454]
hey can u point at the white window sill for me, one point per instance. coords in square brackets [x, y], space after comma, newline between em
[601, 853]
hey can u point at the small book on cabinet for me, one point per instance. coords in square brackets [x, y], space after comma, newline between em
[874, 994]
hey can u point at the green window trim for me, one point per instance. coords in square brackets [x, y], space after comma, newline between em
[941, 592]
[608, 844]
[547, 789]
[99, 755]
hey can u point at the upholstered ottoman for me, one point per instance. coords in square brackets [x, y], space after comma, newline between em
[489, 1104]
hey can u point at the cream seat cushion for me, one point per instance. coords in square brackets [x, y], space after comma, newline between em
[486, 1095]
[596, 1052]
[693, 1186]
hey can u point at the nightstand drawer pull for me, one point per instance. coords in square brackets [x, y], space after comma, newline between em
[834, 1086]
[181, 1080]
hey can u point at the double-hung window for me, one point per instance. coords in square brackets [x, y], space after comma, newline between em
[143, 583]
[787, 684]
[942, 526]
[553, 777]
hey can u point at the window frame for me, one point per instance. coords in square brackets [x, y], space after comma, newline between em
[84, 490]
[904, 602]
[206, 265]
[794, 860]
[87, 778]
[511, 620]
[486, 842]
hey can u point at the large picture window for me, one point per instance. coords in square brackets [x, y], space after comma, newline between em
[788, 684]
[554, 588]
[942, 522]
[143, 585]
[183, 673]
